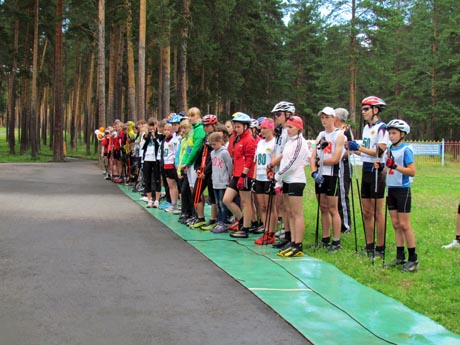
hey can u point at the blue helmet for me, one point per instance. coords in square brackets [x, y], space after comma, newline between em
[176, 118]
[242, 118]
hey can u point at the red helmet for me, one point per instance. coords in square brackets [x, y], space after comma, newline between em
[209, 119]
[295, 121]
[374, 101]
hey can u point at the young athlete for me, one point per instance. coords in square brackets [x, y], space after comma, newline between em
[341, 116]
[243, 151]
[152, 174]
[264, 188]
[185, 192]
[455, 243]
[400, 168]
[375, 139]
[169, 147]
[222, 166]
[291, 176]
[203, 168]
[325, 168]
[282, 112]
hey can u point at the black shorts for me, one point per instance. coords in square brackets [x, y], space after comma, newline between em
[293, 189]
[116, 155]
[399, 199]
[330, 186]
[264, 187]
[234, 181]
[170, 173]
[368, 186]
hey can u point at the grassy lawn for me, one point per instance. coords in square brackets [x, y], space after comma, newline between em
[433, 290]
[45, 153]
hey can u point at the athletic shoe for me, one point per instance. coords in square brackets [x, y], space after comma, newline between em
[377, 254]
[198, 223]
[410, 266]
[280, 233]
[253, 229]
[171, 208]
[394, 263]
[235, 226]
[281, 243]
[118, 180]
[144, 198]
[453, 244]
[346, 231]
[108, 177]
[150, 204]
[219, 228]
[294, 250]
[267, 238]
[190, 220]
[322, 245]
[176, 210]
[164, 205]
[260, 230]
[333, 248]
[183, 218]
[156, 203]
[210, 225]
[240, 234]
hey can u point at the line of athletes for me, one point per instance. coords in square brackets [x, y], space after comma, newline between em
[254, 170]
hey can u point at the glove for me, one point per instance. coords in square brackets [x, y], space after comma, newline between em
[241, 182]
[391, 163]
[353, 145]
[271, 175]
[278, 190]
[323, 144]
[319, 179]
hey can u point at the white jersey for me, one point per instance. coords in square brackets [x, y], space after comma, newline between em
[169, 149]
[295, 157]
[373, 136]
[263, 157]
[328, 152]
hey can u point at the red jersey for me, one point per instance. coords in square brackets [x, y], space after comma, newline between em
[244, 149]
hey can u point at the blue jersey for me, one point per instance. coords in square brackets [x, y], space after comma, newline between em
[402, 156]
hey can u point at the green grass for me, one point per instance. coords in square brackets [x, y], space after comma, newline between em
[433, 290]
[45, 153]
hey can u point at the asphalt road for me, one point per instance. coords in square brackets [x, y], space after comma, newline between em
[82, 264]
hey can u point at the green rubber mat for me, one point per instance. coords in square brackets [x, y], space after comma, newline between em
[308, 293]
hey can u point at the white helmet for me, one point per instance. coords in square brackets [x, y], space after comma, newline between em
[284, 106]
[400, 125]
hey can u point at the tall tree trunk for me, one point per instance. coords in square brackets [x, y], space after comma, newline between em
[182, 68]
[433, 72]
[141, 62]
[44, 122]
[12, 90]
[101, 64]
[166, 80]
[89, 120]
[132, 113]
[75, 101]
[118, 86]
[58, 147]
[25, 99]
[352, 65]
[34, 100]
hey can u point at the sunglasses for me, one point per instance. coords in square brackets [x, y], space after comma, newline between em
[279, 113]
[365, 108]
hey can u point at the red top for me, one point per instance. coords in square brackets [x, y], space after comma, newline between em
[243, 150]
[105, 144]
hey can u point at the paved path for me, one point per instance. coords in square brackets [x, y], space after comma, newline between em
[82, 264]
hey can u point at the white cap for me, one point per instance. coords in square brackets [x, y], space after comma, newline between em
[327, 111]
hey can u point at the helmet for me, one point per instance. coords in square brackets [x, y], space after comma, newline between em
[241, 117]
[374, 101]
[254, 124]
[399, 124]
[260, 119]
[209, 119]
[284, 106]
[295, 121]
[175, 118]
